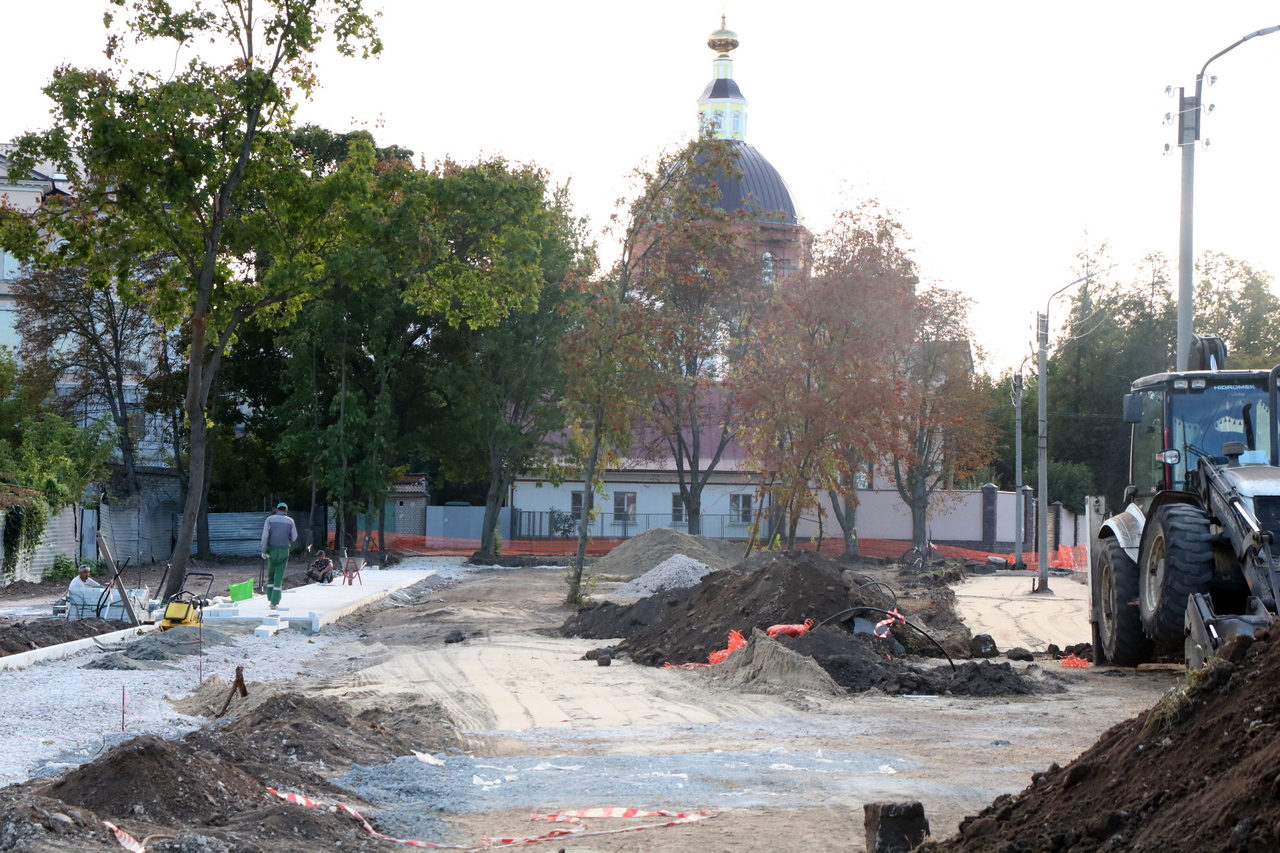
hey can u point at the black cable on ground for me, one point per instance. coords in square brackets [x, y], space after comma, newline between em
[892, 594]
[897, 617]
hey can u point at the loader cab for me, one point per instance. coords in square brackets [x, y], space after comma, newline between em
[1180, 419]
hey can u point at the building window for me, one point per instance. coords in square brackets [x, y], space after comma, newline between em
[9, 266]
[624, 507]
[677, 509]
[575, 505]
[718, 124]
[737, 122]
[740, 509]
[768, 268]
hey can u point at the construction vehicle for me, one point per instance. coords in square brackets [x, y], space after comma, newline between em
[186, 606]
[1189, 562]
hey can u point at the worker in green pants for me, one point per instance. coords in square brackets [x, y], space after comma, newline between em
[278, 534]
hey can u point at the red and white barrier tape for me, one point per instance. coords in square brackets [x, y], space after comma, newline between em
[576, 818]
[127, 841]
[886, 624]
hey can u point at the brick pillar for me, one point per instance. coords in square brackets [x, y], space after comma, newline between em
[1028, 518]
[1055, 525]
[990, 494]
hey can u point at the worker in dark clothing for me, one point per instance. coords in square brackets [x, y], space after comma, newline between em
[321, 570]
[278, 533]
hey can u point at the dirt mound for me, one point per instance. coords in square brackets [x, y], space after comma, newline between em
[151, 785]
[160, 781]
[25, 589]
[288, 726]
[424, 726]
[642, 553]
[859, 662]
[766, 666]
[1196, 772]
[684, 626]
[208, 699]
[39, 633]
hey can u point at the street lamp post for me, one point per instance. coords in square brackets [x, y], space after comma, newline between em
[1017, 467]
[1042, 437]
[1188, 136]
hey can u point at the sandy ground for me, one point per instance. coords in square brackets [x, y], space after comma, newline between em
[1003, 606]
[519, 693]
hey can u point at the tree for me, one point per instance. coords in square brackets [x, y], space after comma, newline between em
[698, 286]
[98, 342]
[941, 420]
[505, 382]
[822, 375]
[1237, 303]
[45, 462]
[195, 164]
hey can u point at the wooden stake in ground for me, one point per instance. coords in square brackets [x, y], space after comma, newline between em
[238, 684]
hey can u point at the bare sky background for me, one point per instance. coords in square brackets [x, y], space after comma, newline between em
[1008, 136]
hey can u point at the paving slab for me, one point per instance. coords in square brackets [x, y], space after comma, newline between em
[312, 606]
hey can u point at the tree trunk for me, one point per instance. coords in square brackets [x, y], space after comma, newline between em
[846, 513]
[204, 549]
[588, 501]
[693, 506]
[195, 409]
[498, 479]
[919, 514]
[382, 533]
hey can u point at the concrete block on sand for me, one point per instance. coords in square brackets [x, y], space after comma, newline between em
[894, 827]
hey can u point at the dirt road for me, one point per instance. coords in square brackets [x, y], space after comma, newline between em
[522, 696]
[510, 720]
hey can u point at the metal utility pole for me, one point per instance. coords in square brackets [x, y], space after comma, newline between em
[1042, 447]
[1042, 437]
[1017, 467]
[1188, 136]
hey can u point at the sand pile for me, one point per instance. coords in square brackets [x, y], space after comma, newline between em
[1199, 771]
[642, 553]
[767, 666]
[675, 572]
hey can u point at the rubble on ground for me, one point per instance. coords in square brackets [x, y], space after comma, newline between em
[1198, 771]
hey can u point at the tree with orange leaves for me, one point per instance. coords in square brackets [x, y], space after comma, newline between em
[941, 424]
[822, 381]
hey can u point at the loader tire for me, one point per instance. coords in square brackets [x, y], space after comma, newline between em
[1123, 640]
[1177, 562]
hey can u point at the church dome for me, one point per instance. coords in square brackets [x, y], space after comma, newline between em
[760, 192]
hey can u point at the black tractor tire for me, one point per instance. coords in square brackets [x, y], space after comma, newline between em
[1123, 640]
[1176, 562]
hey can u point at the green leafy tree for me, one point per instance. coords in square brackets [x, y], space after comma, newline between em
[504, 383]
[46, 463]
[194, 163]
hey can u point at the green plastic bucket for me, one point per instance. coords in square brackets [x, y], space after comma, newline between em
[241, 591]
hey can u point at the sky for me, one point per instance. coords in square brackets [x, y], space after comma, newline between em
[1007, 137]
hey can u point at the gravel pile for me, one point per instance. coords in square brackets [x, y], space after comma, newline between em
[677, 572]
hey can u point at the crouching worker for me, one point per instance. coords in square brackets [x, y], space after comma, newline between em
[321, 570]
